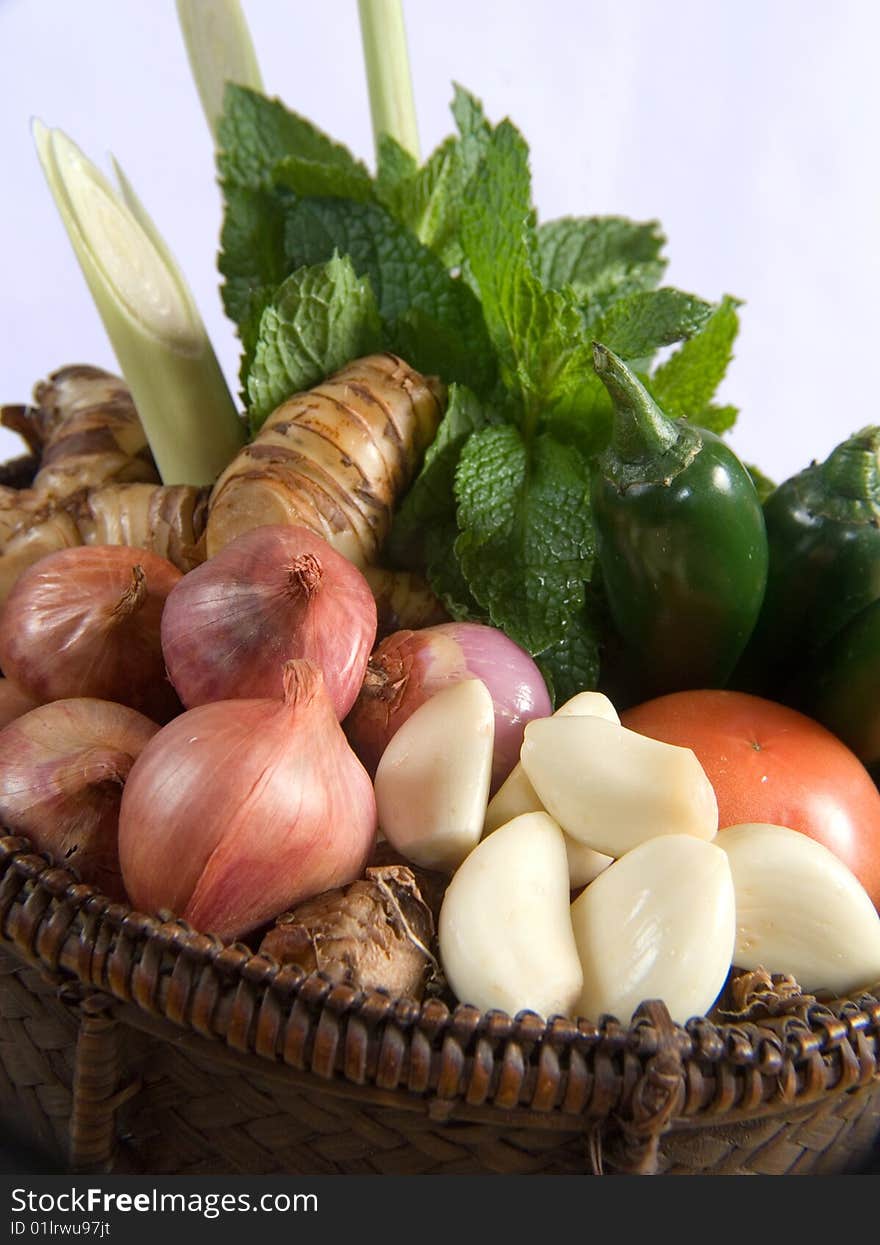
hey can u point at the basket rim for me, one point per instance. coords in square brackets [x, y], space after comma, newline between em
[650, 1072]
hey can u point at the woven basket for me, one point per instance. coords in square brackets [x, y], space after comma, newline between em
[130, 1044]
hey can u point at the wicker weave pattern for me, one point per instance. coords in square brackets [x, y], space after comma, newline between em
[272, 1070]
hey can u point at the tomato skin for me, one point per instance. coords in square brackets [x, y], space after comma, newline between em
[769, 763]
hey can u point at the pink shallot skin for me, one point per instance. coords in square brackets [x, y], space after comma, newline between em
[13, 702]
[407, 668]
[63, 767]
[274, 594]
[86, 621]
[240, 809]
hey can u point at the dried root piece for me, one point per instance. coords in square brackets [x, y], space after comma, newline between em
[335, 459]
[432, 885]
[759, 995]
[375, 934]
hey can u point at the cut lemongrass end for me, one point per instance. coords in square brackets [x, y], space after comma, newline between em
[150, 316]
[220, 50]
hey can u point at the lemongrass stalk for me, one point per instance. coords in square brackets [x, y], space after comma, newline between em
[220, 50]
[150, 316]
[388, 77]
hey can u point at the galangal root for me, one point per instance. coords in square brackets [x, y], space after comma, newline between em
[336, 459]
[96, 484]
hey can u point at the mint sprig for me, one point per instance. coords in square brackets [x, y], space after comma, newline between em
[445, 263]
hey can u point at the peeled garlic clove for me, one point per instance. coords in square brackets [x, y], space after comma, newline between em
[432, 782]
[659, 923]
[505, 926]
[516, 795]
[800, 910]
[611, 788]
[583, 863]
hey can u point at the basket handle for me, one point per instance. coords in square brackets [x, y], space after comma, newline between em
[656, 1098]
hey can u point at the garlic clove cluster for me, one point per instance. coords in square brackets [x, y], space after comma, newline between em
[517, 795]
[800, 910]
[668, 904]
[432, 782]
[505, 929]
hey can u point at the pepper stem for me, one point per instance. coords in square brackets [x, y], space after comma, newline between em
[852, 469]
[640, 429]
[646, 446]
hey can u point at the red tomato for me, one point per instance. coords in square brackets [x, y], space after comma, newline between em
[769, 763]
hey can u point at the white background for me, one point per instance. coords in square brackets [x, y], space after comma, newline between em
[748, 128]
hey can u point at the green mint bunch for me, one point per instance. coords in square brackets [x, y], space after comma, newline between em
[445, 263]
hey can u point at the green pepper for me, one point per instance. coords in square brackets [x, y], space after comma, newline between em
[841, 688]
[680, 540]
[823, 532]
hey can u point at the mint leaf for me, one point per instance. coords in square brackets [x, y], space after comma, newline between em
[320, 318]
[395, 168]
[419, 197]
[525, 546]
[446, 577]
[310, 177]
[439, 349]
[686, 383]
[428, 199]
[538, 333]
[253, 256]
[636, 326]
[717, 419]
[404, 274]
[473, 128]
[249, 331]
[430, 501]
[255, 132]
[572, 664]
[600, 257]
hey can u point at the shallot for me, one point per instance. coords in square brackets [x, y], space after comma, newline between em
[13, 702]
[272, 595]
[408, 667]
[62, 771]
[239, 810]
[85, 622]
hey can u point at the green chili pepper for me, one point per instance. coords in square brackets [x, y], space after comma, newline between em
[823, 532]
[841, 688]
[680, 540]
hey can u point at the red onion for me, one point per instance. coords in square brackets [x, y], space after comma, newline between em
[62, 770]
[240, 809]
[85, 622]
[410, 666]
[13, 702]
[274, 594]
